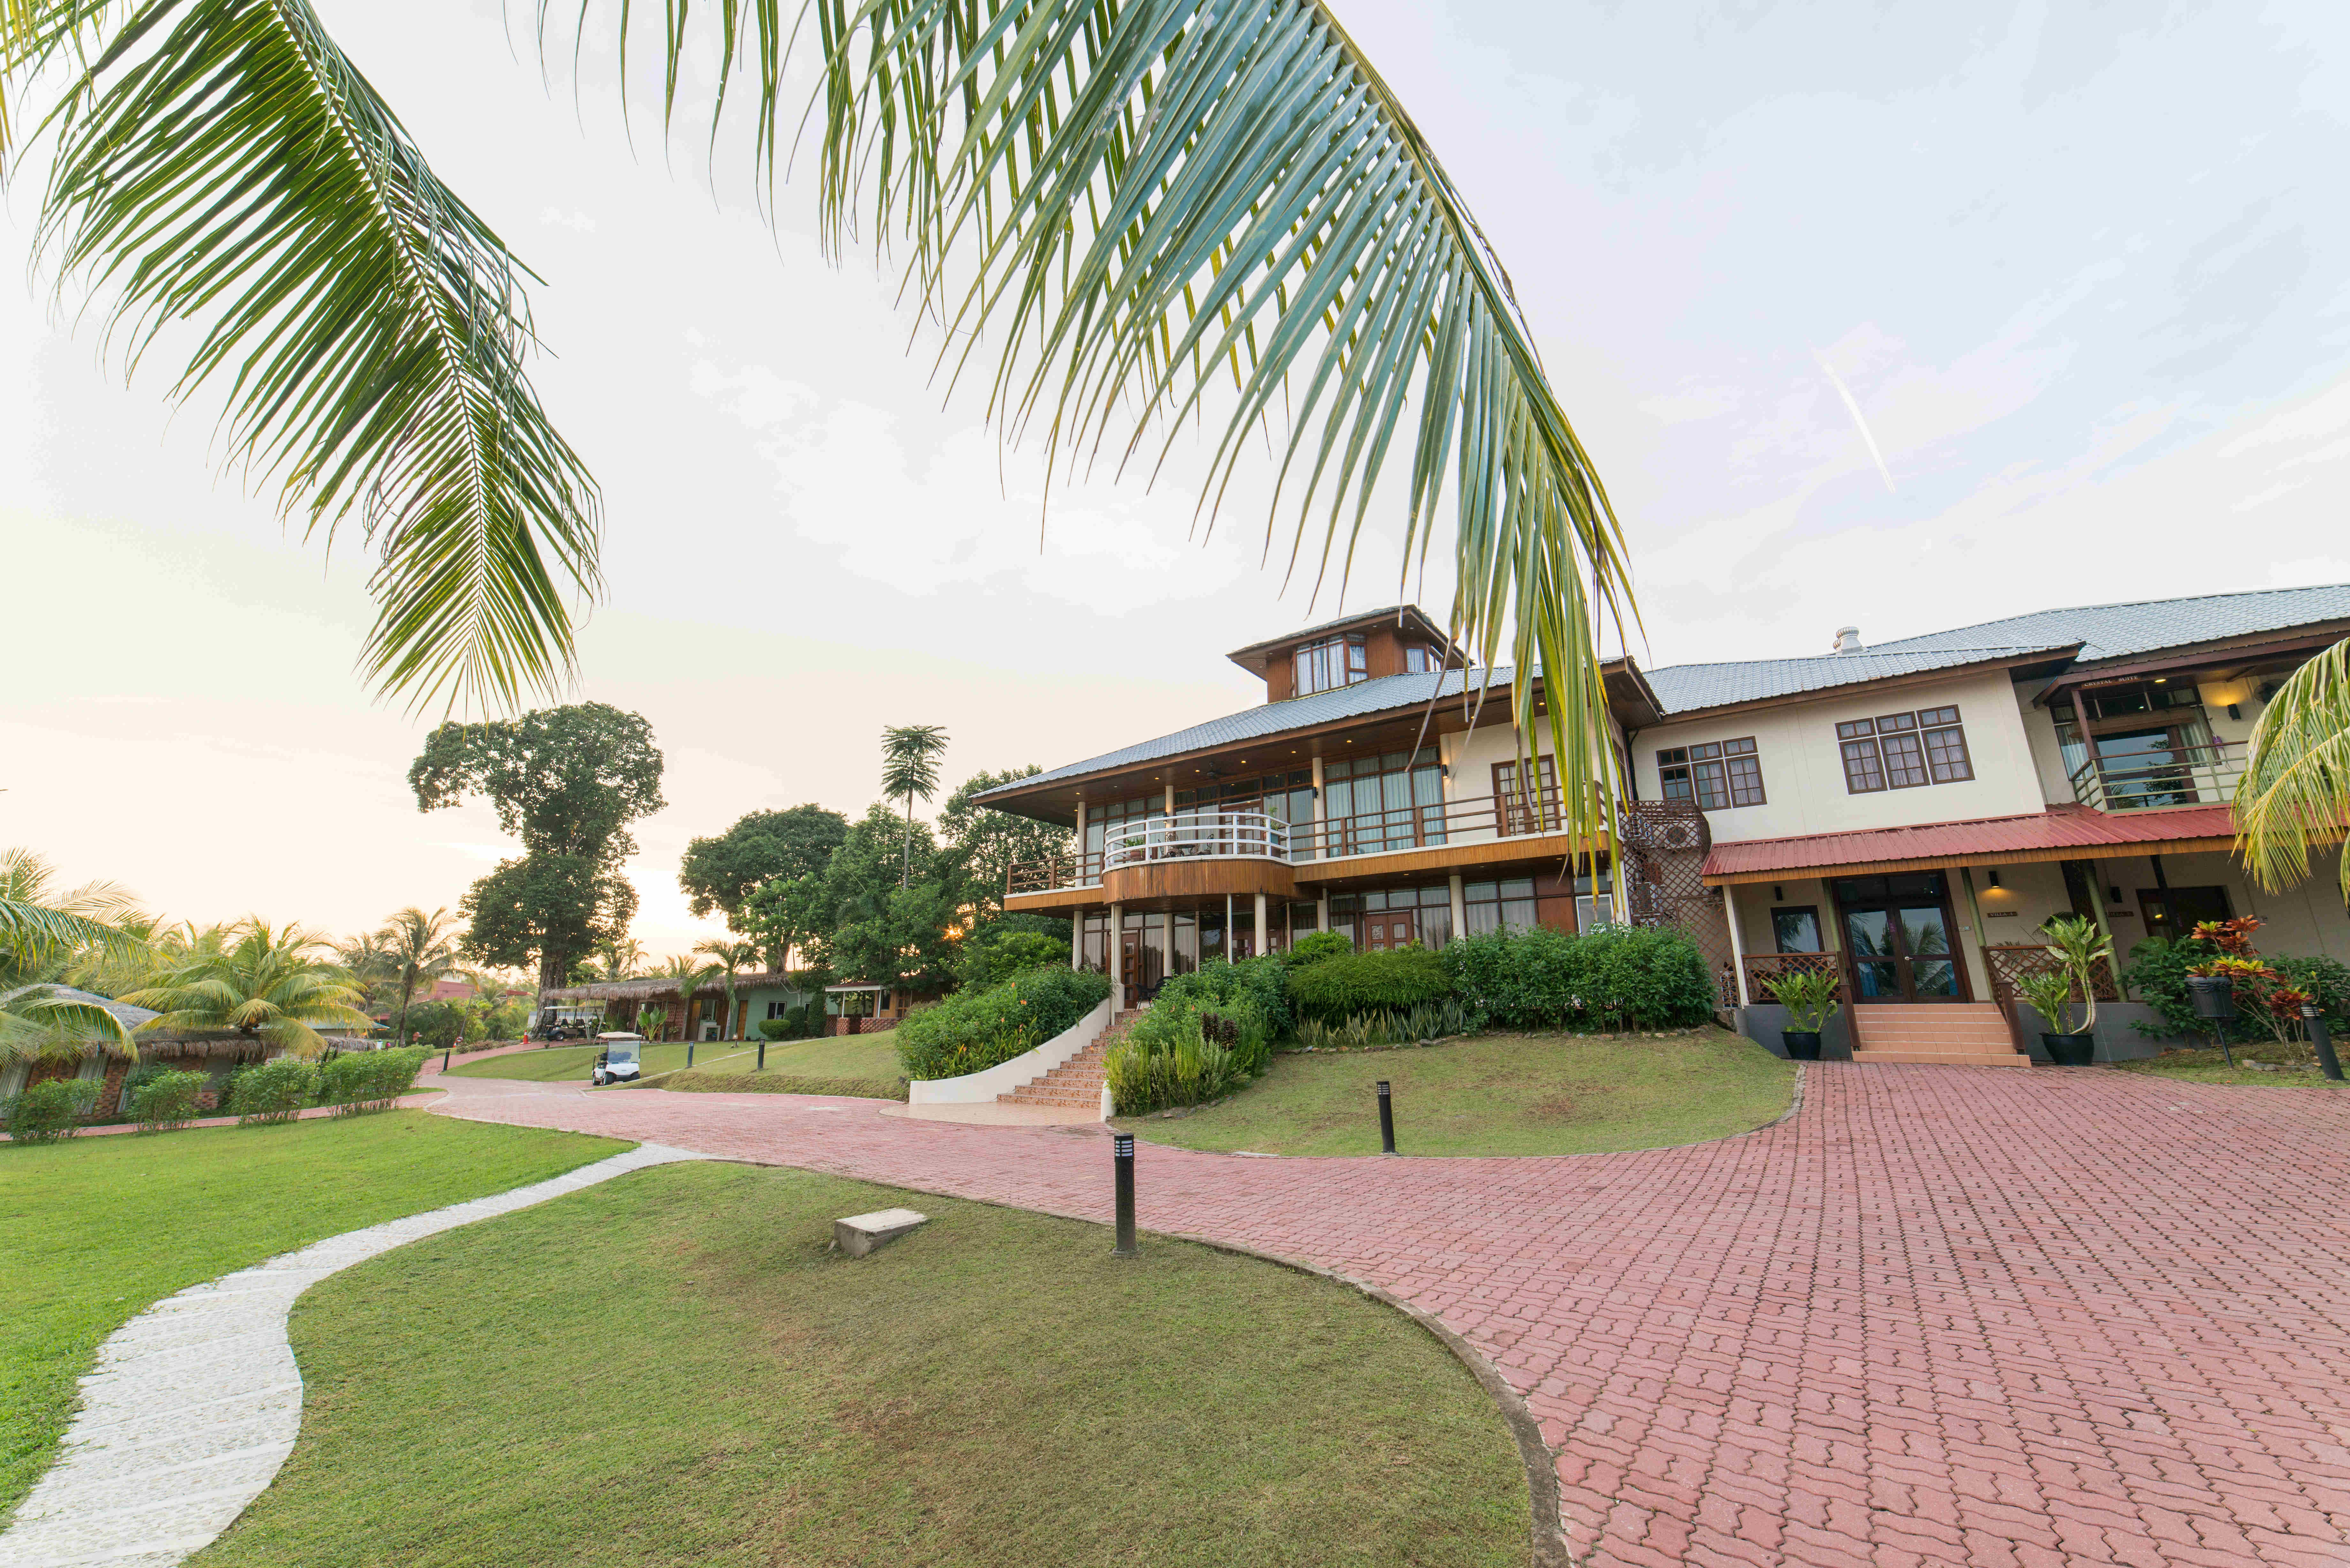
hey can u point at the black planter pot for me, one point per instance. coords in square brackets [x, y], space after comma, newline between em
[1802, 1044]
[2070, 1050]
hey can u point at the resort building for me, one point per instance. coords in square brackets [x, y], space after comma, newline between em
[1904, 814]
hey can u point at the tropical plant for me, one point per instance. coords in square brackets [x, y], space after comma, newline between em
[424, 950]
[2079, 947]
[622, 957]
[910, 767]
[1130, 199]
[2050, 992]
[729, 958]
[1809, 995]
[1370, 1031]
[46, 930]
[973, 1030]
[2295, 791]
[165, 1100]
[652, 1021]
[269, 985]
[1337, 987]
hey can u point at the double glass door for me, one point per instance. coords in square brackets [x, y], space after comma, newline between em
[1898, 940]
[1384, 931]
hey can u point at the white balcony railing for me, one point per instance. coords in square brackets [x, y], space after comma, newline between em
[1196, 835]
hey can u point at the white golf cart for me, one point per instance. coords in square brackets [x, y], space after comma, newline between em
[622, 1060]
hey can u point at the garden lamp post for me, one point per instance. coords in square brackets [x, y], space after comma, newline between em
[1386, 1119]
[1122, 1163]
[2215, 1003]
[2314, 1020]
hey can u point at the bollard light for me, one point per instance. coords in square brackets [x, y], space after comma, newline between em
[2314, 1020]
[1122, 1160]
[1386, 1119]
[762, 1052]
[444, 1057]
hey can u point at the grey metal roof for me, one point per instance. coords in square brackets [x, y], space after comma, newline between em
[129, 1017]
[1387, 694]
[2150, 626]
[1691, 688]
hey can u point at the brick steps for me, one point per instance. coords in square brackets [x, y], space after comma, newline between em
[1076, 1083]
[1948, 1034]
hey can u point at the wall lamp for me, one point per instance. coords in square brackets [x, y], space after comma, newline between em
[1994, 877]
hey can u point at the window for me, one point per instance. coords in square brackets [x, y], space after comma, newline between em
[1395, 801]
[1595, 901]
[1795, 928]
[1499, 906]
[1390, 918]
[1904, 750]
[1418, 658]
[1718, 774]
[1324, 666]
[1536, 811]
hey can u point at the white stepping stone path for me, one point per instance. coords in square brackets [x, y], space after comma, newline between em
[195, 1402]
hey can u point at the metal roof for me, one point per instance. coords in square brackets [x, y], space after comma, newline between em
[1402, 615]
[2149, 626]
[2044, 834]
[1692, 688]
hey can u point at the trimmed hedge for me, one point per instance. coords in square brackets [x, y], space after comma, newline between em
[973, 1030]
[1616, 976]
[358, 1081]
[1338, 987]
[165, 1099]
[49, 1110]
[1217, 985]
[275, 1091]
[802, 1023]
[1315, 945]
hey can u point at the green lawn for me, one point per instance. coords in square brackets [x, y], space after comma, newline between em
[1511, 1094]
[2205, 1065]
[843, 1057]
[671, 1369]
[95, 1230]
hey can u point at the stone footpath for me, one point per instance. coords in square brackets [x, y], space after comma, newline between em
[1940, 1315]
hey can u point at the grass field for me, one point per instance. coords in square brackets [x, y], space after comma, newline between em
[669, 1369]
[2298, 1064]
[1511, 1094]
[95, 1230]
[842, 1056]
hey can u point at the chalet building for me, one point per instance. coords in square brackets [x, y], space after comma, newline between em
[1904, 814]
[213, 1053]
[621, 1004]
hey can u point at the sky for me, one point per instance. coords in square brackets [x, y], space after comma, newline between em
[1901, 316]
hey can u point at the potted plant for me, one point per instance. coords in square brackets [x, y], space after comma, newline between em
[1810, 997]
[2050, 992]
[2078, 947]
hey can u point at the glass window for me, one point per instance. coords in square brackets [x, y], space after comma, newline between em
[1534, 810]
[1421, 660]
[1499, 906]
[1717, 774]
[1796, 930]
[1904, 750]
[1323, 666]
[1390, 802]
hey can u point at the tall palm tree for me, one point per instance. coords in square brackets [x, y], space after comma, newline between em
[2296, 786]
[424, 950]
[730, 957]
[909, 766]
[622, 957]
[46, 933]
[269, 985]
[1159, 212]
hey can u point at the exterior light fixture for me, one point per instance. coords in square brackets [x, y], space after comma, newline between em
[2113, 894]
[1778, 894]
[1994, 877]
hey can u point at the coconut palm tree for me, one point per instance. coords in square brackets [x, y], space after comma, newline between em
[730, 957]
[1152, 214]
[622, 957]
[46, 933]
[2296, 786]
[268, 984]
[422, 949]
[909, 766]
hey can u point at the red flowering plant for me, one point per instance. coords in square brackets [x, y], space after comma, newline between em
[2259, 991]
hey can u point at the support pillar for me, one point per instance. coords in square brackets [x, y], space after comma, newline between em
[1737, 941]
[1166, 937]
[1076, 939]
[1460, 907]
[1116, 956]
[1261, 931]
[1322, 907]
[1321, 840]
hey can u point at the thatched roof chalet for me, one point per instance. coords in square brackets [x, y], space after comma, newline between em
[183, 1044]
[658, 987]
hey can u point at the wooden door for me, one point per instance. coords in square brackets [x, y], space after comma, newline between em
[1384, 930]
[1900, 940]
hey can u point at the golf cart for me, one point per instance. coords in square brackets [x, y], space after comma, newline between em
[622, 1060]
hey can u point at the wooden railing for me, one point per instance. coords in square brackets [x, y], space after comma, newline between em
[2186, 775]
[2010, 962]
[1764, 968]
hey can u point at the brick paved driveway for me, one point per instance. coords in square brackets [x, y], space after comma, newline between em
[1940, 1315]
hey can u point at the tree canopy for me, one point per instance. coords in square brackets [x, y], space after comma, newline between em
[721, 873]
[987, 842]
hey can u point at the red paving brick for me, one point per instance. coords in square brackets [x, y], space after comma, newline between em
[1940, 1316]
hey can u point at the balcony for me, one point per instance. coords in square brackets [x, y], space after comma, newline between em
[2159, 776]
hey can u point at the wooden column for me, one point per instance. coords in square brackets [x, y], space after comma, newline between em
[1737, 941]
[1116, 956]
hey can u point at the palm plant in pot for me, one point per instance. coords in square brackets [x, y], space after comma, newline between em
[2078, 947]
[1810, 998]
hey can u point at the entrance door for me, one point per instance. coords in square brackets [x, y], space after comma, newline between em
[1139, 966]
[1898, 940]
[1385, 929]
[2174, 912]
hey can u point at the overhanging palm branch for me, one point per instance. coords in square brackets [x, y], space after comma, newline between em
[46, 926]
[37, 1024]
[222, 163]
[1137, 198]
[2296, 786]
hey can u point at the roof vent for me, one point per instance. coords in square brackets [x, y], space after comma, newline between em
[1847, 640]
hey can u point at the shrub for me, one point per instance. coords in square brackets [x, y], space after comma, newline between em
[1314, 947]
[2158, 975]
[164, 1099]
[997, 954]
[276, 1091]
[974, 1030]
[359, 1081]
[436, 1023]
[49, 1110]
[1637, 976]
[1428, 1021]
[802, 1023]
[1336, 988]
[1171, 1058]
[141, 1074]
[1218, 985]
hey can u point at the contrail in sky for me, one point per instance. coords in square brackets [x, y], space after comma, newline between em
[1845, 393]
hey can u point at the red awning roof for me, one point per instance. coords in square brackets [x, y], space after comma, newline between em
[2060, 833]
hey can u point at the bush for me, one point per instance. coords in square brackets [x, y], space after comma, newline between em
[1217, 985]
[360, 1081]
[276, 1091]
[802, 1023]
[1428, 1021]
[1316, 946]
[974, 1030]
[1535, 978]
[49, 1110]
[2158, 975]
[437, 1024]
[164, 1099]
[1176, 1055]
[1338, 987]
[997, 954]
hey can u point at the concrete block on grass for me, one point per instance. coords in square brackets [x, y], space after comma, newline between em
[860, 1234]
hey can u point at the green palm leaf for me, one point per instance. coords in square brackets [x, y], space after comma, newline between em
[1155, 205]
[237, 173]
[2296, 786]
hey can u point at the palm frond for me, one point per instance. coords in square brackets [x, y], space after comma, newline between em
[2295, 791]
[1155, 206]
[37, 1024]
[237, 173]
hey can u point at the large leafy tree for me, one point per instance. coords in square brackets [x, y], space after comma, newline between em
[986, 843]
[1158, 211]
[567, 781]
[792, 916]
[2295, 791]
[270, 984]
[719, 873]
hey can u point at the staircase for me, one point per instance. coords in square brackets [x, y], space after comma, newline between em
[1948, 1034]
[1076, 1083]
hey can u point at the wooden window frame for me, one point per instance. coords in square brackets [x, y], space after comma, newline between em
[1350, 664]
[1515, 815]
[1914, 750]
[1719, 776]
[1819, 928]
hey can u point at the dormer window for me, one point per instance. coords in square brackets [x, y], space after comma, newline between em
[1325, 666]
[1418, 658]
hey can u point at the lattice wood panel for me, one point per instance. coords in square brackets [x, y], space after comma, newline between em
[1663, 845]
